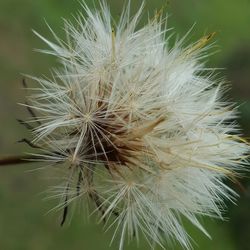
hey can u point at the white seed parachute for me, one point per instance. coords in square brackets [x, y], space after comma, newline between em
[139, 129]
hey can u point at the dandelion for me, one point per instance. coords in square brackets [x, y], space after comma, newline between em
[137, 128]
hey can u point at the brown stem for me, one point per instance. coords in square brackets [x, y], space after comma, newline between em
[17, 159]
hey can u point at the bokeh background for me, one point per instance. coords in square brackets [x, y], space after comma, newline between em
[24, 224]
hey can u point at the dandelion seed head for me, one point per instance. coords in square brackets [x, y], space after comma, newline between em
[138, 128]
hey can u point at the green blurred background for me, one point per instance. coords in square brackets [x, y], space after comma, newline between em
[24, 224]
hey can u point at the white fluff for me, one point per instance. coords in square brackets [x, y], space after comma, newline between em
[140, 129]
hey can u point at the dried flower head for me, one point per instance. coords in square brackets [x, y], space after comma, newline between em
[138, 129]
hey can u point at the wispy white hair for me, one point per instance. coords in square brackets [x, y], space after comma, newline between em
[138, 128]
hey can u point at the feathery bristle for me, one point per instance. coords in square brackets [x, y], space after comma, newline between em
[137, 128]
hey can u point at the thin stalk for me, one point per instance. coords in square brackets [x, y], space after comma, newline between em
[18, 159]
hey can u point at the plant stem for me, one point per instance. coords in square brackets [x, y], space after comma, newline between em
[17, 159]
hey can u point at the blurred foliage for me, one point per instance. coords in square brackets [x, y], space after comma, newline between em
[23, 223]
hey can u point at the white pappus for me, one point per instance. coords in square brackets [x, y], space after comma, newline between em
[139, 129]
